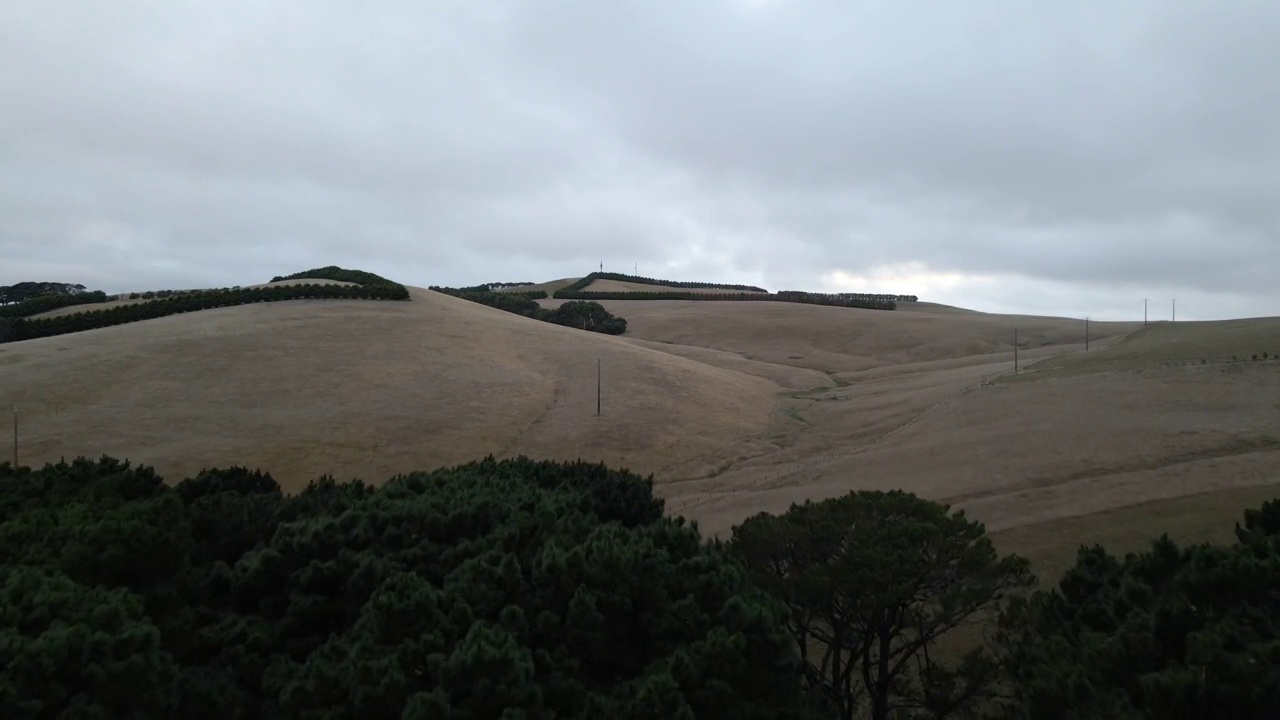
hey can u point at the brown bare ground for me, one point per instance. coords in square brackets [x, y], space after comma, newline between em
[735, 407]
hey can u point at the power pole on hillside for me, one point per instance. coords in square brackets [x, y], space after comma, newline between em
[597, 386]
[1086, 334]
[15, 437]
[1144, 312]
[1015, 351]
[1174, 317]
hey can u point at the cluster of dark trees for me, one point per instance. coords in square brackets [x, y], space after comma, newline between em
[580, 314]
[333, 272]
[512, 589]
[482, 289]
[523, 589]
[27, 328]
[18, 292]
[153, 294]
[743, 293]
[36, 304]
[499, 285]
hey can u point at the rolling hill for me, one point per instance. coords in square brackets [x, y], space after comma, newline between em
[368, 389]
[735, 407]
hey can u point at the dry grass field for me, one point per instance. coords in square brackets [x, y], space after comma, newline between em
[734, 407]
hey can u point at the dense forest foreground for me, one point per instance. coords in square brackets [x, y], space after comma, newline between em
[526, 590]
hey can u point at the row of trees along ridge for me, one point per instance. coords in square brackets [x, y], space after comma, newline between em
[538, 590]
[368, 287]
[744, 293]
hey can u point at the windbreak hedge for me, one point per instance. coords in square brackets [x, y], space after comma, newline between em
[31, 328]
[855, 296]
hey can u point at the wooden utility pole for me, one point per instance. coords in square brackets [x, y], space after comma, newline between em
[1174, 317]
[1086, 334]
[597, 386]
[1144, 312]
[1015, 351]
[15, 437]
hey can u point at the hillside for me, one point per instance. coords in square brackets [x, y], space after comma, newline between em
[605, 285]
[1173, 344]
[736, 407]
[371, 389]
[847, 340]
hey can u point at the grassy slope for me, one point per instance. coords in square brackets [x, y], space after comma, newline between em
[1203, 517]
[834, 339]
[369, 389]
[1167, 344]
[738, 407]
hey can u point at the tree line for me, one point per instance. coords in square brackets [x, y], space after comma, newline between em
[590, 316]
[857, 296]
[18, 292]
[36, 304]
[499, 285]
[744, 293]
[525, 589]
[153, 294]
[373, 287]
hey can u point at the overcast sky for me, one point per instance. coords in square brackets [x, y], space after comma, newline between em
[1064, 158]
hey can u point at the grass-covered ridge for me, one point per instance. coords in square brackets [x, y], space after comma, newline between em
[368, 287]
[674, 290]
[583, 282]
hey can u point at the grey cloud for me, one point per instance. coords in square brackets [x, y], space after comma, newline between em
[1111, 150]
